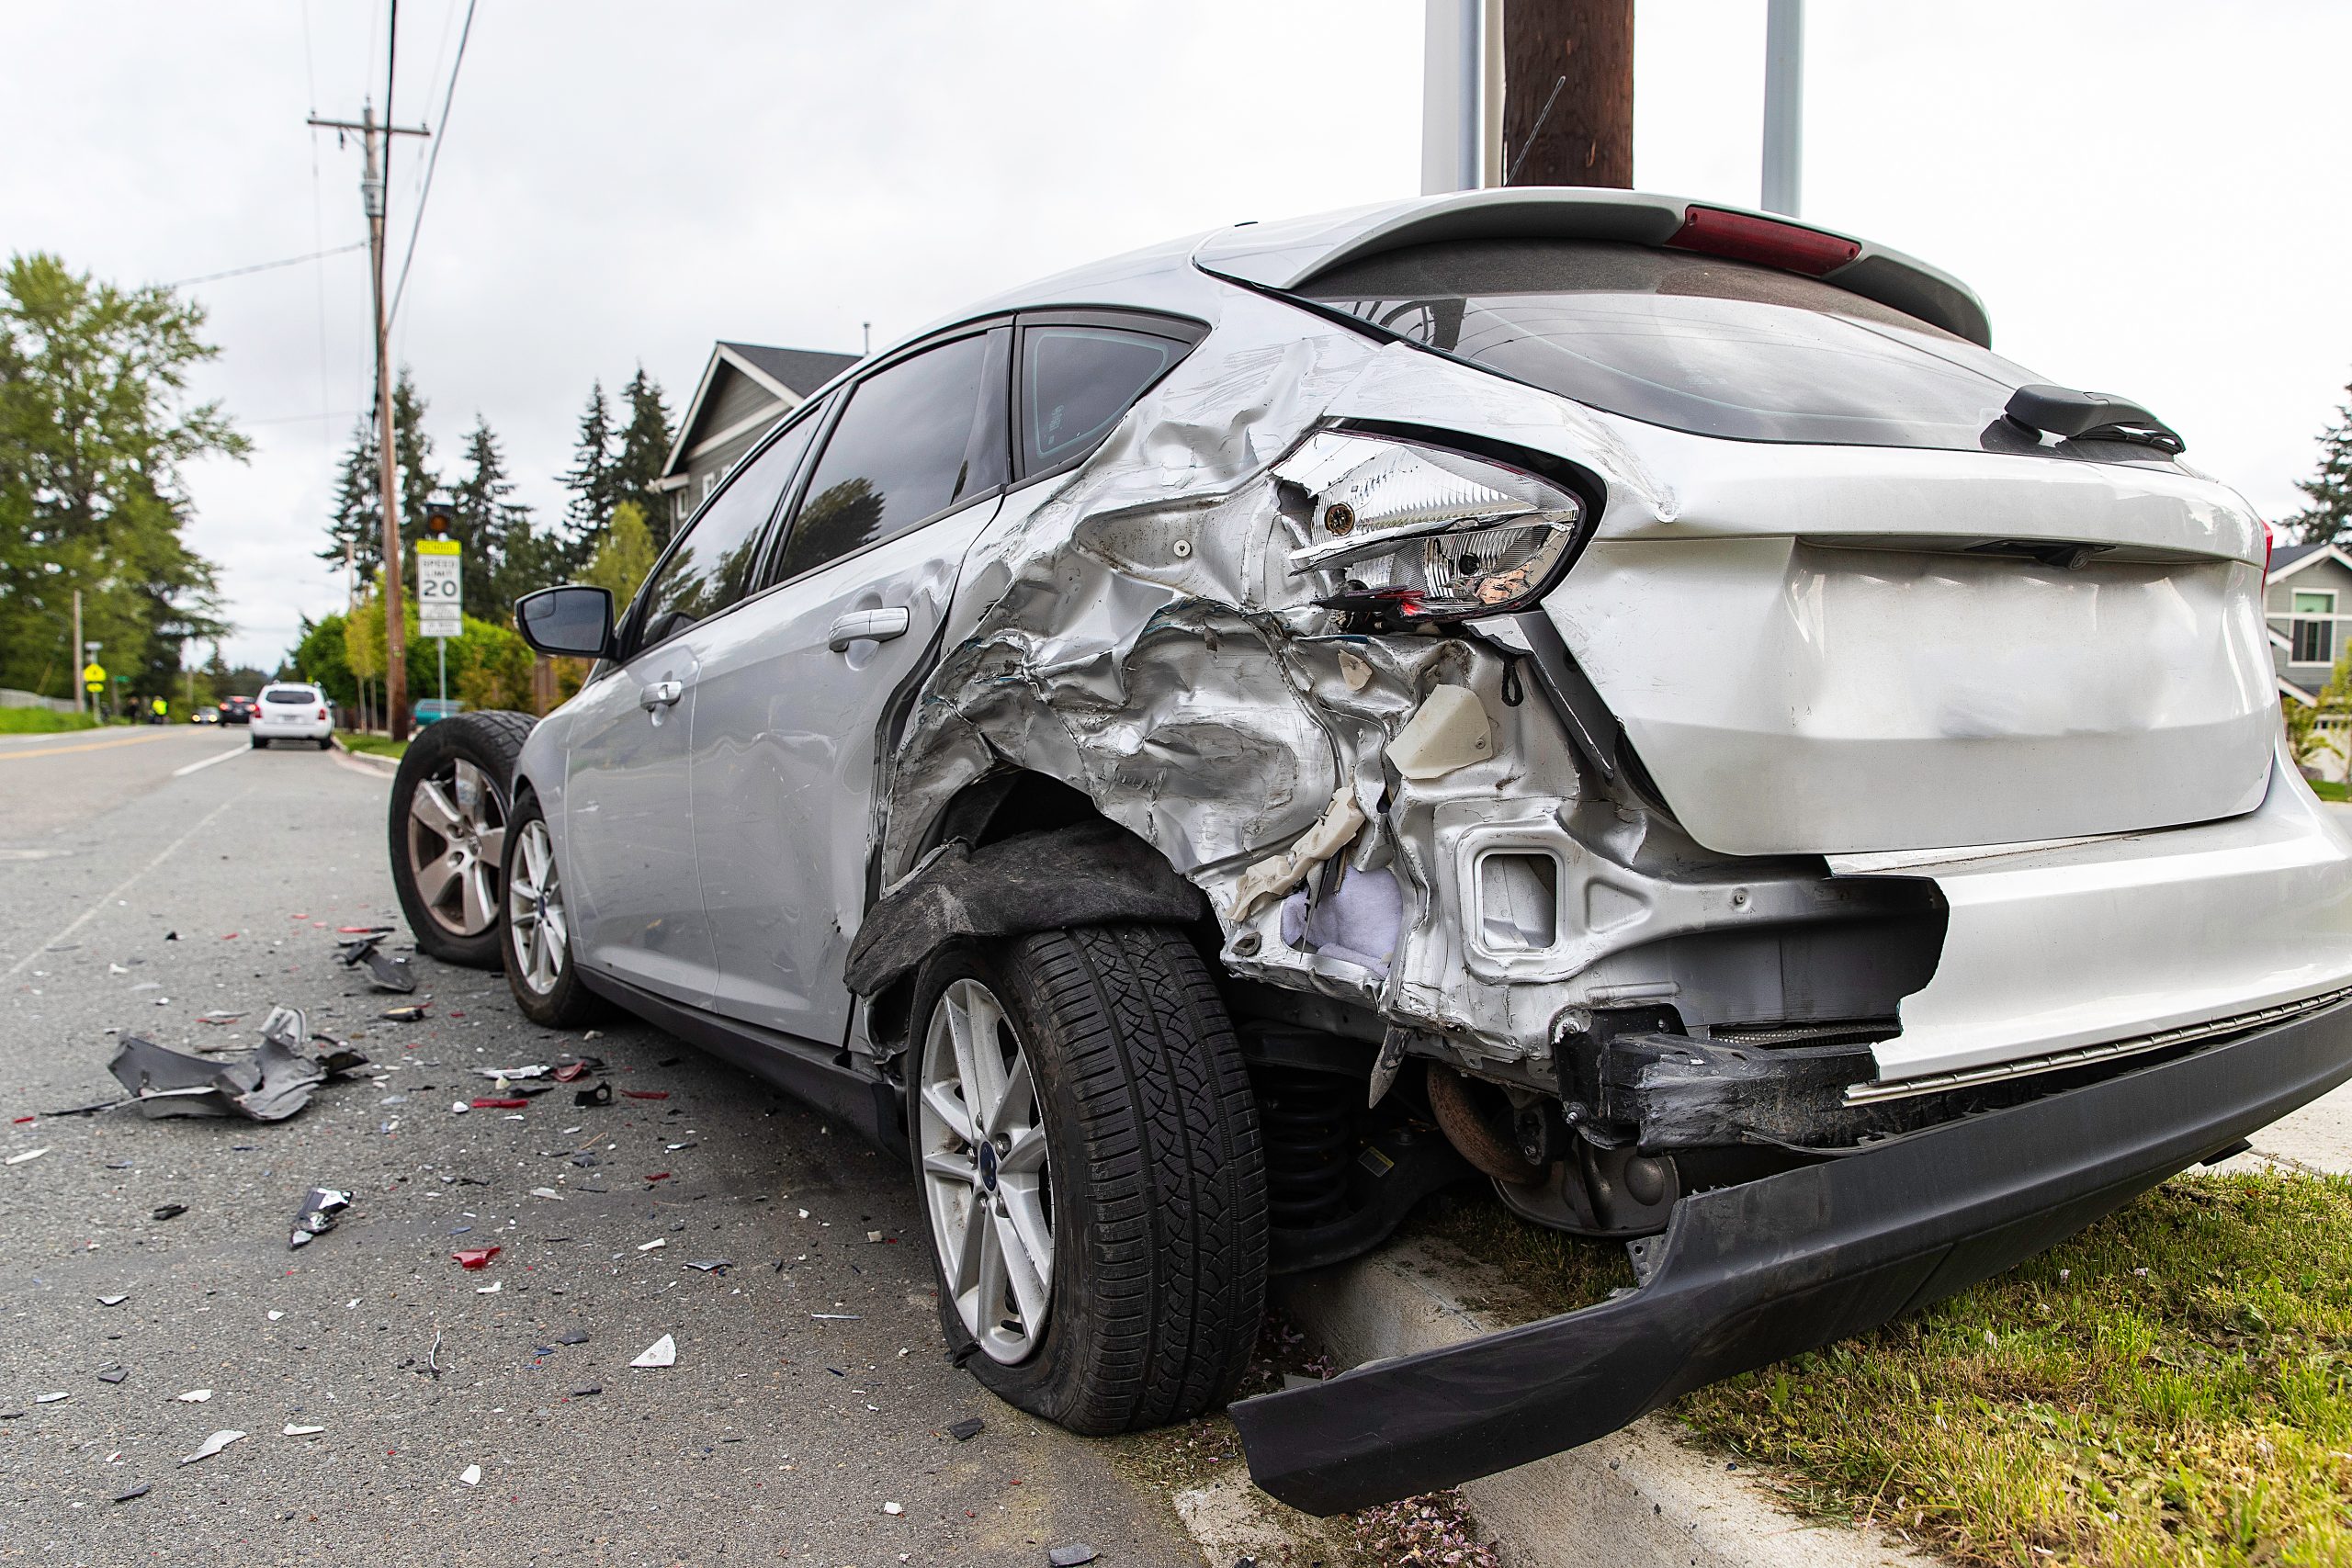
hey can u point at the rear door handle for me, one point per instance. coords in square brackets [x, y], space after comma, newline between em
[867, 626]
[660, 694]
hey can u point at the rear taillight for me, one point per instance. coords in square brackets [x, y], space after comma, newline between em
[1742, 236]
[322, 713]
[1400, 534]
[2269, 545]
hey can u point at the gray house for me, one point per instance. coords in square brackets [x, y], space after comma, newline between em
[745, 389]
[2307, 601]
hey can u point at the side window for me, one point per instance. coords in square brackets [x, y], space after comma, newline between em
[713, 564]
[1075, 383]
[915, 440]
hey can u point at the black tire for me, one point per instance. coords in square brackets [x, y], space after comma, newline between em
[1155, 1174]
[326, 743]
[563, 1003]
[487, 744]
[257, 743]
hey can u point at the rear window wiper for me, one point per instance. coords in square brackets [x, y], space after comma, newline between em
[2090, 416]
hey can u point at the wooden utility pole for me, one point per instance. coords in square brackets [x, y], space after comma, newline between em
[376, 139]
[1568, 93]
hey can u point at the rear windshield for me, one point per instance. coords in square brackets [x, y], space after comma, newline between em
[1690, 342]
[290, 695]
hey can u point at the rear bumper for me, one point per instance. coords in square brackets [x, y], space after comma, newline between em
[1751, 1274]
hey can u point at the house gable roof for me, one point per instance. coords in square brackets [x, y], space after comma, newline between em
[786, 376]
[2288, 559]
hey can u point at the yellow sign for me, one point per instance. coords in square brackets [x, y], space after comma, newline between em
[94, 675]
[436, 546]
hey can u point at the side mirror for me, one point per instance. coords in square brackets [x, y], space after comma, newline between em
[572, 621]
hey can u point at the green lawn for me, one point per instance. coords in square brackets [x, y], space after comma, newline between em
[374, 745]
[41, 721]
[2327, 789]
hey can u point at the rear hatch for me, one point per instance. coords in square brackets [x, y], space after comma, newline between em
[1851, 608]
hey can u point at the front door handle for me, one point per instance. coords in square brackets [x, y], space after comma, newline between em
[867, 626]
[660, 694]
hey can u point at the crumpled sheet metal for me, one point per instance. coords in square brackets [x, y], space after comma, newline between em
[1089, 874]
[1137, 635]
[272, 1084]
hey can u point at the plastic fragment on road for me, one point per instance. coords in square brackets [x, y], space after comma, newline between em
[964, 1431]
[134, 1493]
[646, 1093]
[570, 1067]
[536, 1069]
[214, 1444]
[499, 1102]
[317, 1216]
[113, 1374]
[23, 1156]
[113, 1301]
[894, 1509]
[600, 1094]
[271, 1083]
[413, 1012]
[710, 1265]
[475, 1257]
[384, 972]
[662, 1352]
[58, 1398]
[293, 1430]
[546, 1192]
[275, 1315]
[168, 1211]
[836, 1316]
[1072, 1556]
[492, 1289]
[218, 1018]
[659, 1176]
[459, 1107]
[195, 1397]
[649, 1246]
[471, 1475]
[586, 1390]
[574, 1337]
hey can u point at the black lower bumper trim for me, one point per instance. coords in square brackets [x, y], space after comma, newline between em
[1753, 1273]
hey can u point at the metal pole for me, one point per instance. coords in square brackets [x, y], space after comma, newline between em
[371, 188]
[80, 706]
[441, 654]
[1783, 105]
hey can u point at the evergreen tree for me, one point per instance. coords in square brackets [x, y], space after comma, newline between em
[2327, 519]
[504, 556]
[590, 478]
[356, 522]
[622, 557]
[645, 447]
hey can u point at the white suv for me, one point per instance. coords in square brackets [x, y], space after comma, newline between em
[293, 712]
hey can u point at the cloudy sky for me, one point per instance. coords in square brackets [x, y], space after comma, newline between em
[2149, 195]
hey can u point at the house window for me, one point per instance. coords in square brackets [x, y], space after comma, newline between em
[2314, 638]
[709, 483]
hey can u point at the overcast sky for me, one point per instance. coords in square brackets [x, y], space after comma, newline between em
[2150, 197]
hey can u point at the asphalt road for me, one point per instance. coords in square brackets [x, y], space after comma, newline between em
[143, 890]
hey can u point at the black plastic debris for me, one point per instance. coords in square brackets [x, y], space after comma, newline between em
[574, 1337]
[170, 1210]
[320, 1210]
[964, 1431]
[384, 972]
[115, 1373]
[1072, 1556]
[112, 1301]
[139, 1491]
[712, 1265]
[601, 1095]
[270, 1085]
[586, 1390]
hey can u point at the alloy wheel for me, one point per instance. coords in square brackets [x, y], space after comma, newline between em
[984, 1171]
[537, 924]
[457, 835]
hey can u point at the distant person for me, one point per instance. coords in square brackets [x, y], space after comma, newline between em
[159, 711]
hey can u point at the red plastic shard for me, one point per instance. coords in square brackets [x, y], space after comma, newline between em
[659, 1176]
[475, 1257]
[646, 1093]
[501, 1102]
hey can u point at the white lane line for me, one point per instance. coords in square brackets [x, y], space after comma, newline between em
[162, 855]
[192, 767]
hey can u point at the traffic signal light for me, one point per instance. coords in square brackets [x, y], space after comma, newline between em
[440, 517]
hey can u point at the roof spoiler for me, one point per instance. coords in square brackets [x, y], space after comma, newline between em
[1288, 256]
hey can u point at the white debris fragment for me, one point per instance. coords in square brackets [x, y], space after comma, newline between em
[490, 1289]
[275, 1315]
[471, 1475]
[662, 1352]
[893, 1509]
[50, 1398]
[546, 1192]
[196, 1396]
[649, 1246]
[534, 1070]
[459, 1107]
[1272, 877]
[1354, 671]
[28, 1154]
[874, 1235]
[213, 1445]
[294, 1431]
[1449, 730]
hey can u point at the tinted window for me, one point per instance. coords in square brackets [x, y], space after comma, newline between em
[1077, 381]
[910, 445]
[290, 695]
[714, 564]
[1691, 342]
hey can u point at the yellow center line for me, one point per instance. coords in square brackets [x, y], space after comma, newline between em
[87, 746]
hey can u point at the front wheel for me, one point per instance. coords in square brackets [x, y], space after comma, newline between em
[536, 926]
[1088, 1152]
[448, 832]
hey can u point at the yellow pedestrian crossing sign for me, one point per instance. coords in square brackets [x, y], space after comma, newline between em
[93, 676]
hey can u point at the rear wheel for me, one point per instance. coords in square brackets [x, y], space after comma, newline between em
[257, 743]
[448, 832]
[1087, 1148]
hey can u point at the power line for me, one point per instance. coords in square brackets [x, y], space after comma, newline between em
[268, 265]
[432, 161]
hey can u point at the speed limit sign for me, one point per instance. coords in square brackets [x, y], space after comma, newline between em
[440, 596]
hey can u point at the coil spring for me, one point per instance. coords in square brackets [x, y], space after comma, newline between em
[1309, 1125]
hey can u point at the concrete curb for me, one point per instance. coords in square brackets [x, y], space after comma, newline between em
[1636, 1499]
[387, 766]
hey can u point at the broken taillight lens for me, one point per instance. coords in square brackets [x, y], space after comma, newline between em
[1407, 532]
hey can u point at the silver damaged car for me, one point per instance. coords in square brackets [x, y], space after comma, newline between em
[1626, 699]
